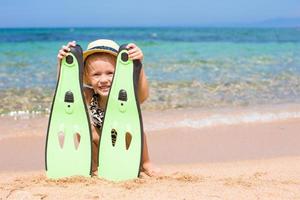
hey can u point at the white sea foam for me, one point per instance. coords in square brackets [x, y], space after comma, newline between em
[222, 119]
[216, 120]
[23, 114]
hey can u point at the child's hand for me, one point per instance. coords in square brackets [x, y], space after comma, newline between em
[135, 53]
[64, 50]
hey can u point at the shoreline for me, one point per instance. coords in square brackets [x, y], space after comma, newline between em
[180, 118]
[183, 145]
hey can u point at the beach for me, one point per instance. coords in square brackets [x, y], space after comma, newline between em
[222, 119]
[258, 159]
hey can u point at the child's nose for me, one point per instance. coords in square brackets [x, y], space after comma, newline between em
[102, 80]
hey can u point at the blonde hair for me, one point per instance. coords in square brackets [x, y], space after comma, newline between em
[91, 59]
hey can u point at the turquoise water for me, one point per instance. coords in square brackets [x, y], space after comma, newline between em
[186, 67]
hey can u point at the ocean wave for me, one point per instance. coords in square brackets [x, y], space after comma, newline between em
[214, 120]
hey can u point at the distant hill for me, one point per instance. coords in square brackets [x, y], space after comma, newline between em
[279, 22]
[276, 22]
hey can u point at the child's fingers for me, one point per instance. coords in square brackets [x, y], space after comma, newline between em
[62, 53]
[59, 56]
[72, 44]
[132, 51]
[131, 45]
[135, 56]
[65, 48]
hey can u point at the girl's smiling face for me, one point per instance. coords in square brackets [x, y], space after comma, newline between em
[99, 70]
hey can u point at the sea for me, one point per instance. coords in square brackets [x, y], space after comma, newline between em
[194, 68]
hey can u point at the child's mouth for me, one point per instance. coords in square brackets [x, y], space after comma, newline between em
[104, 88]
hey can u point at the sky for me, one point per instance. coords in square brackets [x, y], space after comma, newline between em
[133, 13]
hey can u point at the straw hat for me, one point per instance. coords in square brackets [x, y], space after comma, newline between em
[102, 45]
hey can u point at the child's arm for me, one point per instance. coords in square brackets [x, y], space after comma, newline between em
[143, 88]
[135, 53]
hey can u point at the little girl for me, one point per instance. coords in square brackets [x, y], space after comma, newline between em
[99, 66]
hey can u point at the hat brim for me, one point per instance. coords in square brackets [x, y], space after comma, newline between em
[92, 51]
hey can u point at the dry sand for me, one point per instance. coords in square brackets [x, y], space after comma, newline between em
[277, 178]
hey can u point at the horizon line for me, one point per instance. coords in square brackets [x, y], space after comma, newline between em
[154, 26]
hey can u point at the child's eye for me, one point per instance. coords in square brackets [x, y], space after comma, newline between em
[97, 74]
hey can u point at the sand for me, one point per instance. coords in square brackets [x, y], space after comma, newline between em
[259, 160]
[277, 178]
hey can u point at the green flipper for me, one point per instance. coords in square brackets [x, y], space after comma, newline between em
[68, 144]
[122, 132]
